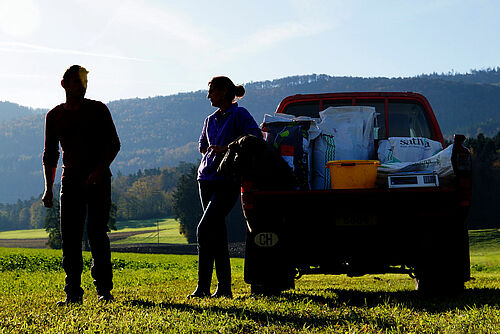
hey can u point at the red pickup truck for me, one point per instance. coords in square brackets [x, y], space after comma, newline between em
[420, 231]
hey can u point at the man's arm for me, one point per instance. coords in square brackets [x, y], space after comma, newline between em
[49, 174]
[49, 159]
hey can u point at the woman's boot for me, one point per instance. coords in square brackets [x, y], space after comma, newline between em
[205, 269]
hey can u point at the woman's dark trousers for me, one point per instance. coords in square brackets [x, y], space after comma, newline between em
[217, 198]
[80, 202]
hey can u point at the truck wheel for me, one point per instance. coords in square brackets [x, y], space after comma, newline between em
[444, 266]
[443, 272]
[439, 284]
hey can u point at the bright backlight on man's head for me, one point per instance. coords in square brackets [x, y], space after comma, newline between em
[18, 17]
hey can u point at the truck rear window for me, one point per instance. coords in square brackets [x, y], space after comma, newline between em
[379, 126]
[305, 108]
[407, 119]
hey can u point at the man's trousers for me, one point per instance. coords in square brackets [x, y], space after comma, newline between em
[91, 203]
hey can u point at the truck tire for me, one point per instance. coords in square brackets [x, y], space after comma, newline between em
[439, 284]
[444, 267]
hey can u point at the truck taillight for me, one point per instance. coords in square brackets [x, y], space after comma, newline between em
[264, 130]
[247, 199]
[246, 186]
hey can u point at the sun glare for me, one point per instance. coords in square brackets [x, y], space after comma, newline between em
[18, 17]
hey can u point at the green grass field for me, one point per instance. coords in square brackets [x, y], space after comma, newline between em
[168, 229]
[151, 291]
[24, 234]
[485, 249]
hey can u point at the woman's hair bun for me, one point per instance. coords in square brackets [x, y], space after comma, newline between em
[239, 91]
[222, 82]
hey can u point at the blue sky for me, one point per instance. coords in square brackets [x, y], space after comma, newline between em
[149, 48]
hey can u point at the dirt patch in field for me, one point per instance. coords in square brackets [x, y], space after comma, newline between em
[236, 249]
[24, 243]
[155, 248]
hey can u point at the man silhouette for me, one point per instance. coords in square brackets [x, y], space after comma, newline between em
[89, 143]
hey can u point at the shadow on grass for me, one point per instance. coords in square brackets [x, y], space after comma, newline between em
[413, 299]
[264, 316]
[341, 299]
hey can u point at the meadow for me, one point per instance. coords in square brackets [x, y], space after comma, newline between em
[128, 232]
[151, 292]
[165, 230]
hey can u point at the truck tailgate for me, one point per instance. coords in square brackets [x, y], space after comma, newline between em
[365, 225]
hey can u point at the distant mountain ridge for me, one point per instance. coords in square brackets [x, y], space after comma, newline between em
[162, 131]
[489, 76]
[10, 111]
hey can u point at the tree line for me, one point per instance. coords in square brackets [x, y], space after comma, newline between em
[147, 193]
[25, 214]
[485, 211]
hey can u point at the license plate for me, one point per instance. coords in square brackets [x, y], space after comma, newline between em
[356, 220]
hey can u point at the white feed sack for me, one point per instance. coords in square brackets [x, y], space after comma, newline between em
[407, 149]
[440, 163]
[346, 134]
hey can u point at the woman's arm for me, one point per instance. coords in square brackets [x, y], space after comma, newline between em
[203, 141]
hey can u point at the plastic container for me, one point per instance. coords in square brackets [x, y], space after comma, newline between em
[353, 174]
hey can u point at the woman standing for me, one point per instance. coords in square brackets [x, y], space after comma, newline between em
[218, 193]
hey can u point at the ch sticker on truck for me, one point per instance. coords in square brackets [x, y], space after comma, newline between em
[266, 239]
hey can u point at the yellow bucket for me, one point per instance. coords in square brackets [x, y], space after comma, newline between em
[353, 174]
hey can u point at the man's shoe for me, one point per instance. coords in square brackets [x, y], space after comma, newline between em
[106, 298]
[70, 301]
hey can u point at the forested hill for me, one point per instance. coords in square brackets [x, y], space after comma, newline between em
[489, 76]
[10, 111]
[162, 131]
